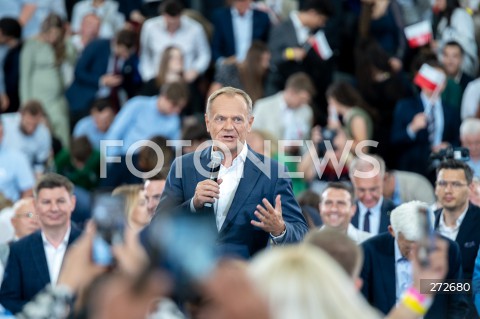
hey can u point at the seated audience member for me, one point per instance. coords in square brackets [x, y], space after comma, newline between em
[170, 70]
[471, 100]
[327, 159]
[309, 202]
[172, 28]
[110, 18]
[458, 219]
[96, 125]
[387, 268]
[16, 175]
[235, 28]
[337, 207]
[136, 212]
[24, 221]
[39, 256]
[248, 75]
[26, 132]
[452, 59]
[470, 138]
[80, 164]
[348, 110]
[373, 210]
[287, 115]
[154, 187]
[11, 41]
[156, 156]
[106, 69]
[416, 130]
[196, 133]
[88, 32]
[140, 119]
[401, 187]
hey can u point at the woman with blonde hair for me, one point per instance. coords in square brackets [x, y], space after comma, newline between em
[135, 205]
[305, 282]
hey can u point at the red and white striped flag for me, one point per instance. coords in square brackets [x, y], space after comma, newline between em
[429, 78]
[418, 34]
[320, 44]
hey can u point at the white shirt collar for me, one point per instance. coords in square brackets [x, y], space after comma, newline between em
[247, 15]
[300, 30]
[458, 222]
[374, 210]
[64, 240]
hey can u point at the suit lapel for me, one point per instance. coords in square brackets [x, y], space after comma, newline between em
[468, 225]
[354, 220]
[384, 215]
[39, 258]
[251, 174]
[388, 269]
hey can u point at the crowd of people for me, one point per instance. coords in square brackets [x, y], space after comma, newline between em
[347, 131]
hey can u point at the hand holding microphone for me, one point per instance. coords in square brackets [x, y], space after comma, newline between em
[208, 190]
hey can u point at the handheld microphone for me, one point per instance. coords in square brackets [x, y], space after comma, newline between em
[217, 158]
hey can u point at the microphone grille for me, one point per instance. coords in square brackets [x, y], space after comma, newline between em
[217, 158]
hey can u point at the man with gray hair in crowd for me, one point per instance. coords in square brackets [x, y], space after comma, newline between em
[387, 267]
[367, 177]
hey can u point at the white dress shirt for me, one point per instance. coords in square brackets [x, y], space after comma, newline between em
[231, 177]
[357, 235]
[242, 32]
[451, 232]
[301, 31]
[55, 256]
[190, 38]
[375, 215]
[403, 273]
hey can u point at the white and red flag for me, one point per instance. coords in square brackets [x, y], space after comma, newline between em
[429, 78]
[418, 34]
[320, 44]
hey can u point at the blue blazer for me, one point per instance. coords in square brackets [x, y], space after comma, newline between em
[387, 207]
[378, 274]
[93, 64]
[237, 236]
[413, 155]
[223, 43]
[26, 272]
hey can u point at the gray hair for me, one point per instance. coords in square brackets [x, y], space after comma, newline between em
[363, 165]
[22, 202]
[470, 126]
[230, 91]
[405, 219]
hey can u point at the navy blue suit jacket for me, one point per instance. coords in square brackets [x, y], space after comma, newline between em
[413, 155]
[26, 272]
[93, 64]
[223, 43]
[378, 274]
[387, 207]
[237, 236]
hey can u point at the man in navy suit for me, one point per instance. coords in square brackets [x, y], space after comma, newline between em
[411, 132]
[458, 219]
[252, 201]
[35, 260]
[103, 68]
[373, 210]
[235, 29]
[387, 270]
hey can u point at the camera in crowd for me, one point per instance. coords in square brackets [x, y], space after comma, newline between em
[457, 153]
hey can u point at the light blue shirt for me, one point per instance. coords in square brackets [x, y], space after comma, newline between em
[36, 147]
[44, 8]
[12, 8]
[475, 165]
[242, 32]
[476, 282]
[375, 214]
[403, 273]
[140, 119]
[16, 175]
[86, 127]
